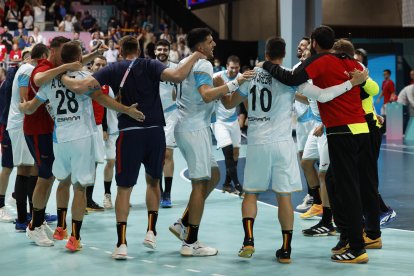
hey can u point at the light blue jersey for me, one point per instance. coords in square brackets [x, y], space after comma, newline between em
[223, 114]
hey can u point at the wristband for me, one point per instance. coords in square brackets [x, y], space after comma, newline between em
[232, 85]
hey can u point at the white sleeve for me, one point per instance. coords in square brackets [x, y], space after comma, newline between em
[402, 97]
[324, 95]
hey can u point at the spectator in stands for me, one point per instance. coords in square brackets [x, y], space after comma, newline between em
[112, 22]
[174, 56]
[13, 16]
[27, 7]
[3, 52]
[38, 38]
[183, 50]
[95, 42]
[217, 67]
[148, 23]
[28, 20]
[39, 11]
[88, 22]
[406, 97]
[76, 37]
[112, 54]
[167, 36]
[77, 21]
[112, 35]
[150, 49]
[163, 25]
[66, 25]
[147, 36]
[16, 53]
[21, 35]
[412, 77]
[30, 42]
[181, 35]
[388, 91]
[7, 39]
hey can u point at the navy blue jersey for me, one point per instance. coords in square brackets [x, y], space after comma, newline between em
[141, 86]
[5, 94]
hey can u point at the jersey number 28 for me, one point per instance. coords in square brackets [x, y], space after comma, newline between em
[72, 104]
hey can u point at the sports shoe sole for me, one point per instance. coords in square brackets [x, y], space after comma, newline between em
[246, 252]
[320, 235]
[120, 257]
[149, 244]
[362, 259]
[284, 261]
[192, 255]
[172, 230]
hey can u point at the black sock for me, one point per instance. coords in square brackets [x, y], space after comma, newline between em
[20, 192]
[121, 231]
[168, 184]
[152, 221]
[192, 235]
[61, 213]
[107, 185]
[383, 208]
[327, 215]
[316, 196]
[184, 219]
[231, 168]
[30, 189]
[310, 192]
[228, 178]
[248, 231]
[287, 239]
[76, 227]
[161, 189]
[37, 218]
[2, 199]
[89, 193]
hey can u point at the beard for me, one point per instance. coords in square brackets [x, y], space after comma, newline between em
[162, 57]
[299, 54]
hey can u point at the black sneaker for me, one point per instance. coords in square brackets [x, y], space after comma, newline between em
[319, 230]
[239, 189]
[351, 256]
[340, 247]
[227, 187]
[93, 206]
[283, 256]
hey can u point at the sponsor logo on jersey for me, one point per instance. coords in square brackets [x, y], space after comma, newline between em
[68, 119]
[262, 119]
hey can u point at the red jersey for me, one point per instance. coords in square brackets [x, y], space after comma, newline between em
[329, 70]
[99, 110]
[3, 52]
[388, 88]
[15, 55]
[39, 122]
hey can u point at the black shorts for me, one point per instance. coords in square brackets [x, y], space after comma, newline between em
[6, 149]
[41, 148]
[242, 109]
[133, 147]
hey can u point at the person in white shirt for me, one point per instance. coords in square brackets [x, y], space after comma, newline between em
[195, 104]
[73, 135]
[112, 53]
[66, 25]
[96, 41]
[39, 14]
[227, 130]
[28, 21]
[38, 38]
[174, 56]
[406, 97]
[183, 50]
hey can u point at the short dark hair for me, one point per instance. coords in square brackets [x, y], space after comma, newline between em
[196, 36]
[39, 50]
[71, 52]
[344, 46]
[306, 38]
[275, 48]
[163, 42]
[57, 41]
[388, 71]
[234, 59]
[324, 36]
[100, 57]
[129, 45]
[364, 54]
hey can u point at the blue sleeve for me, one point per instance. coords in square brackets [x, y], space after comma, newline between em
[40, 98]
[156, 68]
[105, 76]
[202, 78]
[244, 89]
[23, 80]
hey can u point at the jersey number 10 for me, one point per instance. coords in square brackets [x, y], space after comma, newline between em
[264, 91]
[72, 104]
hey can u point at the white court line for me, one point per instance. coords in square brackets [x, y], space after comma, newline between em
[215, 274]
[169, 266]
[193, 270]
[400, 151]
[108, 252]
[148, 262]
[183, 176]
[94, 248]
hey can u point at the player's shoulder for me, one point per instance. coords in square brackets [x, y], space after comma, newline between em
[79, 74]
[204, 66]
[172, 64]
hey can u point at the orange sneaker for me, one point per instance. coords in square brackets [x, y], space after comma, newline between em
[315, 210]
[60, 234]
[73, 244]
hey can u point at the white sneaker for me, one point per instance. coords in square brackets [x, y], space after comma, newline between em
[178, 230]
[49, 232]
[120, 253]
[107, 202]
[150, 240]
[11, 201]
[39, 236]
[197, 250]
[5, 216]
[306, 204]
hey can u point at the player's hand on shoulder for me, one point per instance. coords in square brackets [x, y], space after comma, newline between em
[259, 64]
[199, 55]
[218, 81]
[246, 76]
[134, 113]
[359, 77]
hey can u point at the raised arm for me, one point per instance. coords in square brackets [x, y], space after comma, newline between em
[44, 77]
[232, 100]
[287, 77]
[31, 106]
[180, 73]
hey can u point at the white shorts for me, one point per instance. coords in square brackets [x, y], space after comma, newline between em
[302, 132]
[21, 152]
[75, 158]
[227, 134]
[195, 146]
[99, 145]
[110, 147]
[170, 122]
[274, 163]
[317, 148]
